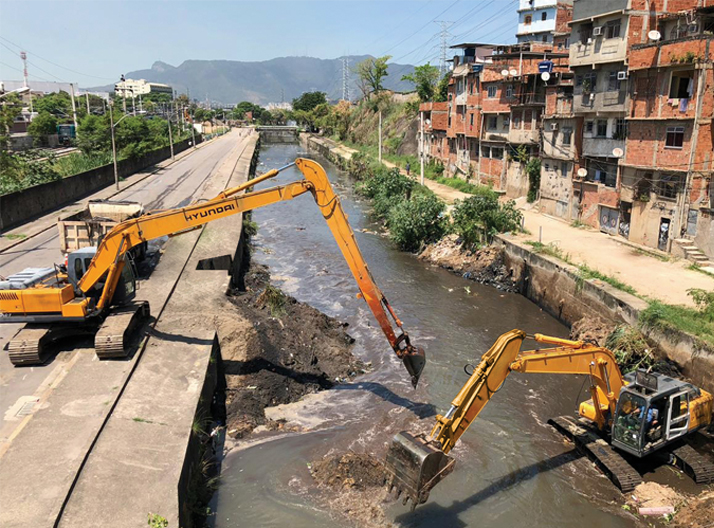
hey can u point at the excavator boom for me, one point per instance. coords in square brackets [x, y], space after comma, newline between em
[66, 303]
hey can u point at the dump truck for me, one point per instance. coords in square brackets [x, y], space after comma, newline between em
[87, 227]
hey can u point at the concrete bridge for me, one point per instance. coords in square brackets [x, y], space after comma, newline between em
[277, 134]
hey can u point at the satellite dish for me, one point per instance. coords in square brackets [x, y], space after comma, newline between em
[451, 68]
[504, 73]
[545, 76]
[582, 172]
[618, 152]
[654, 35]
[513, 73]
[428, 122]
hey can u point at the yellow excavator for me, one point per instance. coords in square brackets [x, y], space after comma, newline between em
[94, 293]
[632, 416]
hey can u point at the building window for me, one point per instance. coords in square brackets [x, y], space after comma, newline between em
[527, 21]
[589, 126]
[567, 135]
[471, 120]
[471, 88]
[545, 37]
[509, 91]
[586, 32]
[669, 185]
[612, 30]
[485, 152]
[449, 123]
[497, 152]
[547, 167]
[675, 137]
[492, 122]
[613, 84]
[620, 129]
[491, 91]
[544, 15]
[681, 85]
[516, 120]
[506, 122]
[564, 169]
[601, 128]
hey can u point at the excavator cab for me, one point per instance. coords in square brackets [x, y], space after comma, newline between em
[653, 410]
[78, 263]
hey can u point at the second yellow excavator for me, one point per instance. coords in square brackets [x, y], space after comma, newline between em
[95, 293]
[635, 415]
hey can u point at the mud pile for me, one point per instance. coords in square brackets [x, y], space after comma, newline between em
[276, 350]
[485, 265]
[591, 330]
[353, 488]
[697, 513]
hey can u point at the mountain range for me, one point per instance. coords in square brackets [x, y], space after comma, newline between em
[262, 82]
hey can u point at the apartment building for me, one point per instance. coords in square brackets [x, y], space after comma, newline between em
[539, 20]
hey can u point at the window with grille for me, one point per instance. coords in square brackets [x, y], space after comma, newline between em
[669, 185]
[612, 30]
[509, 91]
[567, 135]
[620, 129]
[506, 122]
[675, 137]
[589, 126]
[491, 92]
[492, 122]
[601, 128]
[527, 21]
[613, 84]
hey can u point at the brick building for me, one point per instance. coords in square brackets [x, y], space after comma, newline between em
[622, 122]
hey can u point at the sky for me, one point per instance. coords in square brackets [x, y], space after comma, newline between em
[93, 42]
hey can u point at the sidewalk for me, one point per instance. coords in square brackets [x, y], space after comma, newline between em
[651, 277]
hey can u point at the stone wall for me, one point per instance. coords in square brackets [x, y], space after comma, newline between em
[19, 207]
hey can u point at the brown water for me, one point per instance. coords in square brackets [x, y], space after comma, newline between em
[512, 468]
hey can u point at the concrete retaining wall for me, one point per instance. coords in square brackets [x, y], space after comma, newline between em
[19, 207]
[557, 288]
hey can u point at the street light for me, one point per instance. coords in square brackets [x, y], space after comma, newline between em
[112, 124]
[22, 90]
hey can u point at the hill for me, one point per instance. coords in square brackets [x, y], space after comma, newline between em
[262, 82]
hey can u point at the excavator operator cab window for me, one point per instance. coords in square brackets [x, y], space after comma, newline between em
[630, 420]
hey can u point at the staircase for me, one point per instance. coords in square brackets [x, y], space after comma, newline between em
[693, 254]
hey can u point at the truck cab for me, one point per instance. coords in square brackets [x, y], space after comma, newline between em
[655, 410]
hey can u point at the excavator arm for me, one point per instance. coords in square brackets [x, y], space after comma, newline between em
[108, 261]
[415, 464]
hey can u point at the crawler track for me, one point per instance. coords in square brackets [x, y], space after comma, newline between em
[697, 466]
[610, 462]
[28, 345]
[113, 339]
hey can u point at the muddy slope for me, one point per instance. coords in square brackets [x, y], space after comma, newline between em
[276, 350]
[485, 265]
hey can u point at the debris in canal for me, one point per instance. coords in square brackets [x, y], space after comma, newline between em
[276, 350]
[484, 265]
[353, 488]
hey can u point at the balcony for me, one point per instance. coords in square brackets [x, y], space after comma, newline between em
[597, 50]
[601, 147]
[610, 101]
[529, 99]
[495, 135]
[461, 99]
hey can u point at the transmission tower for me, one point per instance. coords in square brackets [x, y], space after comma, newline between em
[345, 79]
[23, 56]
[444, 24]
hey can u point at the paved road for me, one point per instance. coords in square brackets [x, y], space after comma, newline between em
[175, 185]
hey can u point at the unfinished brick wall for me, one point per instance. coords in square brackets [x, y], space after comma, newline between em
[646, 144]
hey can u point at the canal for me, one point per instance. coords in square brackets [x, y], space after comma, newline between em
[512, 468]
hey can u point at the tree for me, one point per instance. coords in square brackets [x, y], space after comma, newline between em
[43, 125]
[10, 108]
[58, 104]
[309, 100]
[93, 133]
[442, 89]
[425, 79]
[371, 73]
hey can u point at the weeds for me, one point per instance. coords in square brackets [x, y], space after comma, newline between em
[464, 186]
[250, 228]
[157, 521]
[697, 267]
[588, 273]
[698, 322]
[15, 236]
[274, 299]
[630, 348]
[577, 224]
[550, 250]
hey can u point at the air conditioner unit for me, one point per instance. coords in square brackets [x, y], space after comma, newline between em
[621, 76]
[692, 28]
[554, 126]
[597, 31]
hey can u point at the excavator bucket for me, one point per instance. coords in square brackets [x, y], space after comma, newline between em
[414, 364]
[414, 466]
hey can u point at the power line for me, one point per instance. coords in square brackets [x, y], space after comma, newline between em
[54, 63]
[19, 70]
[420, 28]
[403, 22]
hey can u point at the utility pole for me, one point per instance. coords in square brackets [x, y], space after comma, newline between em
[114, 147]
[171, 139]
[444, 45]
[87, 99]
[380, 136]
[74, 108]
[421, 145]
[193, 135]
[25, 82]
[345, 79]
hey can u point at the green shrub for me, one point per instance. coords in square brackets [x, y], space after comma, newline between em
[388, 183]
[630, 348]
[413, 223]
[480, 216]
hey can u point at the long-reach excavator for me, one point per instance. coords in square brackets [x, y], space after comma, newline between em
[632, 416]
[94, 293]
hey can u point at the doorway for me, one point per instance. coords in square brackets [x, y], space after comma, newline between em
[664, 225]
